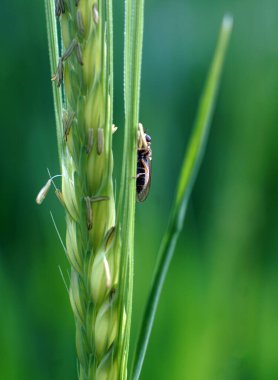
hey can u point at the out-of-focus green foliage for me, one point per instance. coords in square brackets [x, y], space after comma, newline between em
[218, 316]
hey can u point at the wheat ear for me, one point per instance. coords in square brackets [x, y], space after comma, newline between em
[83, 92]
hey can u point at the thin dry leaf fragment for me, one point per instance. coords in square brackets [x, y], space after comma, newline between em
[95, 13]
[89, 213]
[43, 192]
[100, 140]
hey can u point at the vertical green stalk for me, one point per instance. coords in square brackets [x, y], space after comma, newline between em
[54, 54]
[134, 11]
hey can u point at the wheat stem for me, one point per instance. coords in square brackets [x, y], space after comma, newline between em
[127, 198]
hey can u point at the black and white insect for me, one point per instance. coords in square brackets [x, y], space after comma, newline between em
[144, 167]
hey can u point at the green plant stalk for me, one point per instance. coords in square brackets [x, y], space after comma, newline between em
[190, 167]
[134, 12]
[54, 55]
[83, 97]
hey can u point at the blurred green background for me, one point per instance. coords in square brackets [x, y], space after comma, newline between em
[218, 316]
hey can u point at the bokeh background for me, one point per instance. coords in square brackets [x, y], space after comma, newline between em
[218, 315]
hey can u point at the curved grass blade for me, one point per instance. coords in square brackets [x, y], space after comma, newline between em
[190, 167]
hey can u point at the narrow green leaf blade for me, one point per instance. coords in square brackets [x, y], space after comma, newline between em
[190, 167]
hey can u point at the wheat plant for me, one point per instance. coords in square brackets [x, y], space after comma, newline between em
[100, 236]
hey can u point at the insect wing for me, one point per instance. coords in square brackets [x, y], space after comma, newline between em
[142, 195]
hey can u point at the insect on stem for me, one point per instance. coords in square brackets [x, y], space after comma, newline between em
[144, 168]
